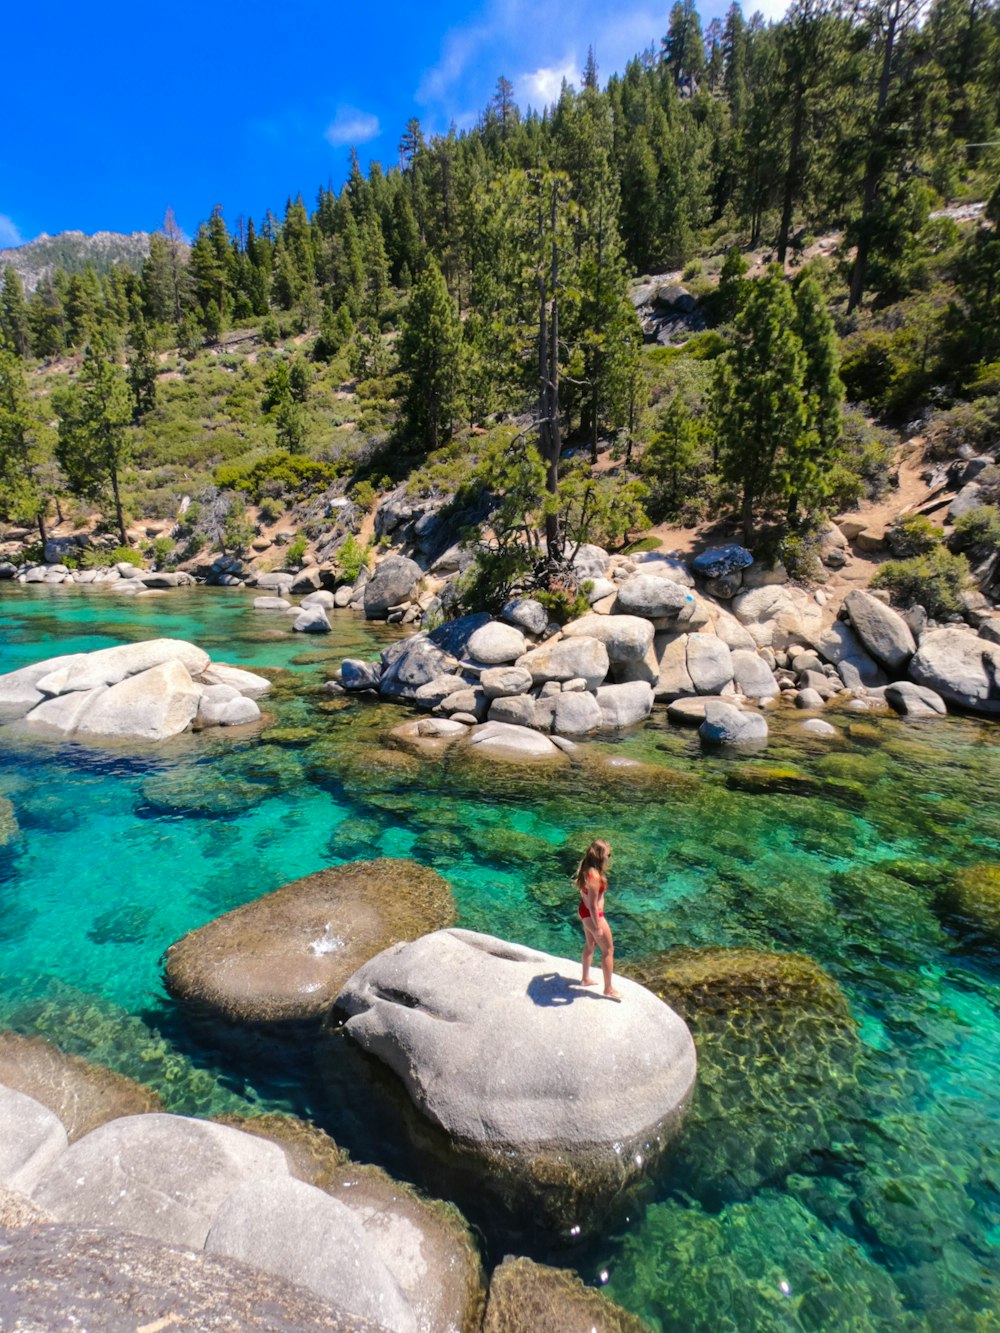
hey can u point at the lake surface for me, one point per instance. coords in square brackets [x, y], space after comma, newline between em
[828, 1178]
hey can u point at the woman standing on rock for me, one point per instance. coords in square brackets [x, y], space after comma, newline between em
[592, 882]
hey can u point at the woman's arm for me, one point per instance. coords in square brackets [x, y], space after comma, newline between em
[592, 892]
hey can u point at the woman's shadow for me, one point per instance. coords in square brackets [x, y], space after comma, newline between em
[550, 990]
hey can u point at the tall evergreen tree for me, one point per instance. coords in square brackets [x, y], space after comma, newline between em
[23, 494]
[15, 330]
[430, 358]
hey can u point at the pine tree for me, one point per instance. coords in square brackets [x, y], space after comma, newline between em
[47, 320]
[430, 359]
[684, 47]
[23, 494]
[95, 444]
[760, 411]
[141, 369]
[15, 330]
[823, 388]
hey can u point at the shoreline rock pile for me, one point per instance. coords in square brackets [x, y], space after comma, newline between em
[146, 691]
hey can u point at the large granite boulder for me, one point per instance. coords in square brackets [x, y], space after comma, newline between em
[31, 1140]
[511, 741]
[283, 957]
[576, 713]
[914, 700]
[961, 667]
[356, 674]
[526, 614]
[580, 1091]
[626, 638]
[590, 561]
[82, 1095]
[752, 675]
[62, 1276]
[624, 705]
[153, 705]
[163, 1176]
[580, 658]
[394, 581]
[709, 663]
[504, 682]
[496, 644]
[223, 706]
[411, 663]
[726, 725]
[883, 631]
[526, 1297]
[718, 561]
[673, 680]
[439, 689]
[248, 683]
[300, 1234]
[652, 597]
[663, 566]
[839, 645]
[312, 620]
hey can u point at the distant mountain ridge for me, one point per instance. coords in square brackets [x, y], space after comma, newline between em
[73, 251]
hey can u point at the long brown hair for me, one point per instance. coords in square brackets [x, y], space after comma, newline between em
[594, 858]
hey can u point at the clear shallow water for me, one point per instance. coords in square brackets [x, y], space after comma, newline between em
[823, 1182]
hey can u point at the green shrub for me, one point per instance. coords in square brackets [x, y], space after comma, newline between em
[101, 557]
[364, 494]
[352, 557]
[294, 474]
[563, 604]
[913, 534]
[297, 549]
[270, 509]
[934, 581]
[799, 553]
[160, 550]
[978, 531]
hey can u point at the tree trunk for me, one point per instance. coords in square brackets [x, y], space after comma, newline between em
[40, 520]
[118, 507]
[747, 515]
[791, 175]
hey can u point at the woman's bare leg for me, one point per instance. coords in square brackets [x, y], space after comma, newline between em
[590, 943]
[607, 943]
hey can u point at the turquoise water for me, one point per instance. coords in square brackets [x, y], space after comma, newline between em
[830, 1178]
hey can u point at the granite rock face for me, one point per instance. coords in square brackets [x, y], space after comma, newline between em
[283, 957]
[394, 581]
[31, 1139]
[883, 631]
[726, 725]
[961, 667]
[568, 659]
[626, 638]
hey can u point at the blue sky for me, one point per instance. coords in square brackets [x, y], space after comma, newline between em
[112, 112]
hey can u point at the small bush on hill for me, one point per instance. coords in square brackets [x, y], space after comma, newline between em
[279, 472]
[978, 531]
[934, 581]
[913, 534]
[297, 549]
[353, 557]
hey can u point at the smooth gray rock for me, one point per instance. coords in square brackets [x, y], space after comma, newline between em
[298, 1233]
[576, 713]
[110, 666]
[764, 576]
[153, 705]
[516, 710]
[574, 1073]
[626, 638]
[726, 725]
[224, 706]
[769, 613]
[7, 570]
[990, 630]
[526, 614]
[663, 567]
[752, 675]
[271, 604]
[411, 663]
[496, 644]
[31, 1140]
[709, 663]
[63, 712]
[590, 561]
[599, 589]
[469, 699]
[815, 726]
[356, 674]
[247, 682]
[343, 596]
[915, 700]
[961, 667]
[501, 740]
[322, 598]
[626, 704]
[307, 580]
[500, 682]
[673, 678]
[163, 1176]
[968, 498]
[311, 620]
[809, 698]
[652, 597]
[280, 582]
[566, 659]
[690, 712]
[840, 645]
[883, 631]
[61, 1277]
[436, 691]
[394, 581]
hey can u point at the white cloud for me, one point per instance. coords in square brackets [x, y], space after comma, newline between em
[351, 126]
[541, 87]
[9, 234]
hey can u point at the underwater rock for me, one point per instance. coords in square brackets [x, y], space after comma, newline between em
[974, 894]
[83, 1095]
[777, 1049]
[526, 1297]
[284, 956]
[31, 1139]
[188, 792]
[539, 1107]
[764, 779]
[504, 740]
[425, 1243]
[8, 822]
[726, 725]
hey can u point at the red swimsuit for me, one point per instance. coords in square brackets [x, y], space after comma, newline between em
[583, 910]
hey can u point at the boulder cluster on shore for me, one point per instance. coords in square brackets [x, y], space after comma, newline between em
[720, 642]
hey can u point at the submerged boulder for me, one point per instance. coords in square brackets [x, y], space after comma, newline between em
[582, 1092]
[283, 957]
[974, 894]
[83, 1095]
[726, 725]
[511, 741]
[526, 1297]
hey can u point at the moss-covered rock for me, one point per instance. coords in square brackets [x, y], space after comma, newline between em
[771, 779]
[283, 957]
[777, 1053]
[526, 1297]
[8, 822]
[191, 792]
[83, 1095]
[439, 1268]
[292, 738]
[974, 894]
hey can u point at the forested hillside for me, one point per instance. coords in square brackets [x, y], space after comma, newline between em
[478, 320]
